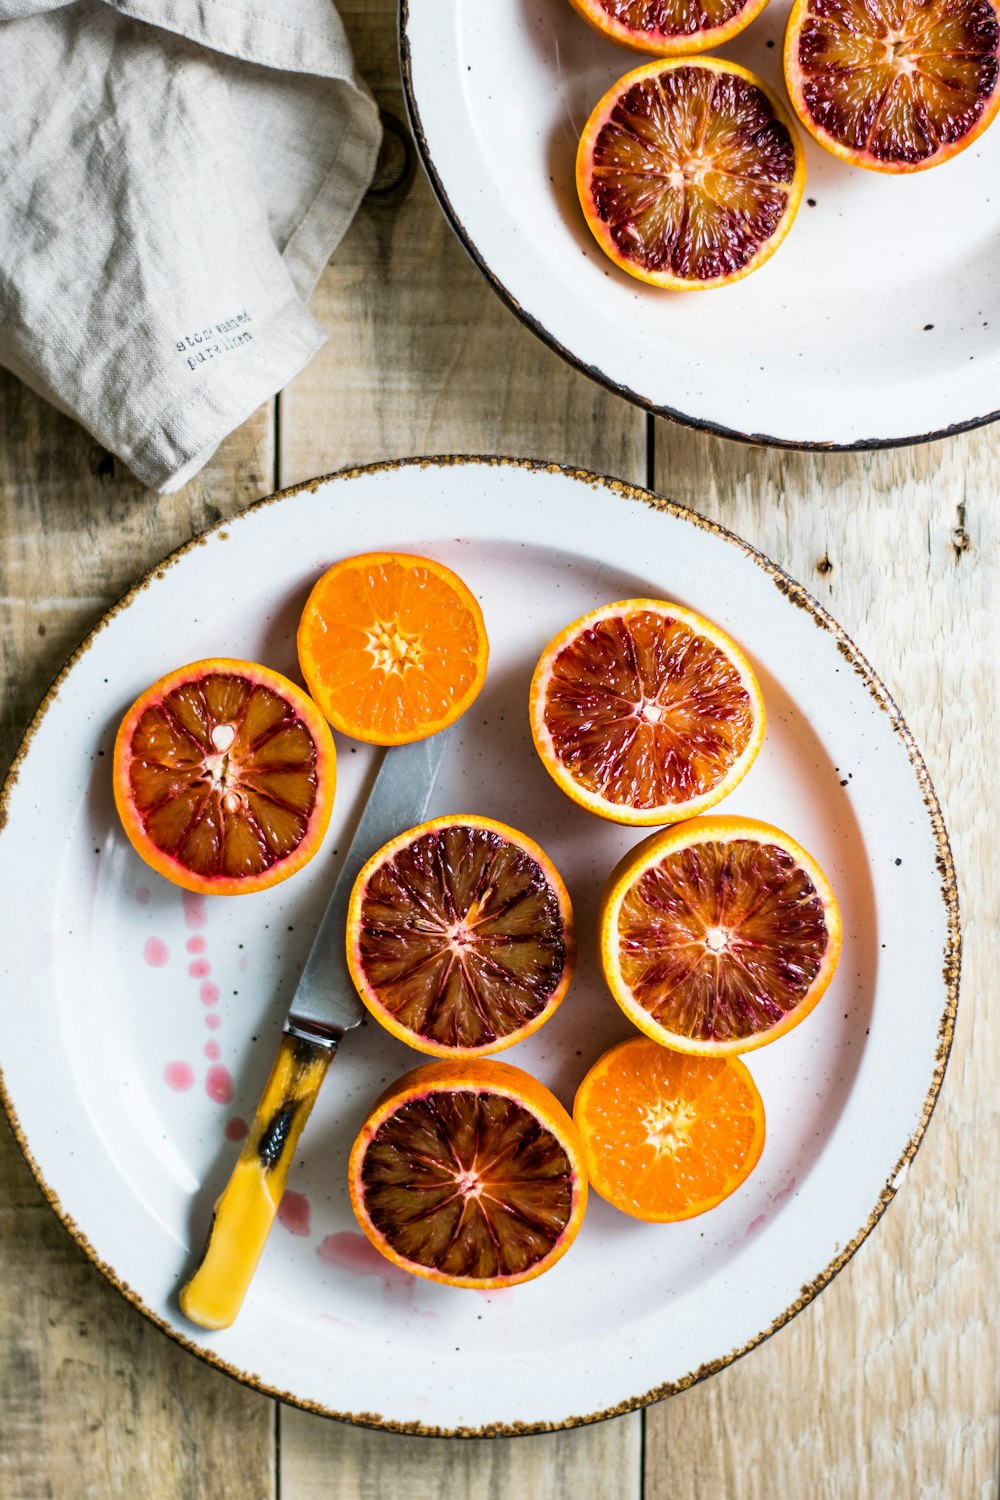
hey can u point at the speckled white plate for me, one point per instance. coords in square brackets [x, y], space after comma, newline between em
[876, 322]
[137, 1024]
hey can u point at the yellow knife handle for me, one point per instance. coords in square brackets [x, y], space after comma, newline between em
[249, 1202]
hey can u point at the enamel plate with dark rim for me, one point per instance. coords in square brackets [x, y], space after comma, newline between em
[137, 1023]
[876, 322]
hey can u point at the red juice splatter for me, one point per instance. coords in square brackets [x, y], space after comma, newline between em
[178, 1076]
[213, 1051]
[237, 1129]
[213, 1022]
[349, 1251]
[219, 1084]
[755, 1224]
[194, 909]
[199, 968]
[209, 993]
[142, 894]
[156, 953]
[786, 1192]
[294, 1213]
[195, 945]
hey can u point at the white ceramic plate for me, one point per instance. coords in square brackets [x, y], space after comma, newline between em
[875, 323]
[107, 968]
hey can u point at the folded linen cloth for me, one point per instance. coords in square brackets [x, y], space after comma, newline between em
[174, 175]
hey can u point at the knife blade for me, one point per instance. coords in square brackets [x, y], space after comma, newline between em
[324, 1006]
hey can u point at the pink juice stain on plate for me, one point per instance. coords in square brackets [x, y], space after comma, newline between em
[219, 1084]
[142, 894]
[349, 1251]
[156, 953]
[195, 914]
[294, 1213]
[213, 1022]
[213, 1050]
[195, 945]
[178, 1076]
[209, 993]
[237, 1129]
[199, 968]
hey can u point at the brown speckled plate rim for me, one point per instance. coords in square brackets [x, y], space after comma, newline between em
[951, 958]
[656, 409]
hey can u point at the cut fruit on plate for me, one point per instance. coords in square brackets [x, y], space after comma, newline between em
[669, 27]
[718, 935]
[460, 936]
[894, 85]
[668, 1136]
[224, 775]
[469, 1172]
[392, 647]
[690, 173]
[645, 713]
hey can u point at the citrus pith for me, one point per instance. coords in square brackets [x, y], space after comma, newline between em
[460, 936]
[469, 1172]
[224, 775]
[645, 713]
[718, 935]
[667, 1136]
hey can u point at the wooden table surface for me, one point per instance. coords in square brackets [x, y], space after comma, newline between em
[886, 1385]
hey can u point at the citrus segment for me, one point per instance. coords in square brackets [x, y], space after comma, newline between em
[668, 1136]
[667, 27]
[469, 1172]
[718, 935]
[393, 647]
[224, 775]
[460, 936]
[894, 85]
[689, 173]
[645, 712]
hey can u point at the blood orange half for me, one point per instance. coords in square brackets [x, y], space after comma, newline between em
[645, 713]
[894, 85]
[469, 1172]
[690, 173]
[669, 27]
[460, 936]
[224, 774]
[667, 1136]
[719, 935]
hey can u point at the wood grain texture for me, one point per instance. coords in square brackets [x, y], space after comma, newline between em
[887, 1385]
[93, 1400]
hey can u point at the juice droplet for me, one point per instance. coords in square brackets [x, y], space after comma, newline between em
[178, 1076]
[142, 894]
[237, 1129]
[213, 1050]
[209, 993]
[219, 1084]
[213, 1022]
[156, 953]
[294, 1213]
[196, 945]
[194, 909]
[349, 1251]
[199, 968]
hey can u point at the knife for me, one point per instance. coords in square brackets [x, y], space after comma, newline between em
[325, 1005]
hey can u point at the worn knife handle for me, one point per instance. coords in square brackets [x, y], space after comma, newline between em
[249, 1202]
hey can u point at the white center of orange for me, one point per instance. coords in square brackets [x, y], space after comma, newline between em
[668, 1126]
[469, 1185]
[716, 939]
[392, 649]
[223, 736]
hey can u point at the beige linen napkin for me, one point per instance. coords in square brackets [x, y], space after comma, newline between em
[174, 175]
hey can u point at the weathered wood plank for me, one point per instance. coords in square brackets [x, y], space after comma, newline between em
[331, 1462]
[93, 1400]
[887, 1384]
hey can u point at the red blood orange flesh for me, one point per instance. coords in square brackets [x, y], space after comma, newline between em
[669, 27]
[690, 173]
[894, 85]
[469, 1172]
[645, 713]
[224, 775]
[718, 935]
[460, 936]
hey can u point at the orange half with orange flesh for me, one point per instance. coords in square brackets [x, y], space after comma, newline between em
[224, 776]
[393, 647]
[469, 1172]
[668, 1136]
